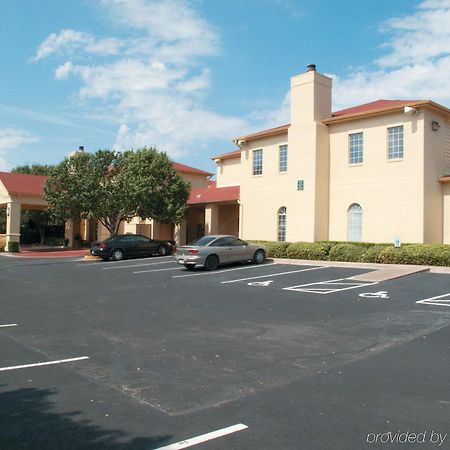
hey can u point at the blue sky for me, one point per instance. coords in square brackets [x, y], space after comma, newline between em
[188, 76]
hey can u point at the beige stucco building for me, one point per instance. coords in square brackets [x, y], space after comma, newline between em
[374, 172]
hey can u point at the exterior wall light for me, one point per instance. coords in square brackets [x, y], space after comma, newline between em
[435, 125]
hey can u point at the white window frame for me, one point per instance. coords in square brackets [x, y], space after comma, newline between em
[281, 224]
[354, 222]
[283, 158]
[257, 162]
[395, 143]
[356, 154]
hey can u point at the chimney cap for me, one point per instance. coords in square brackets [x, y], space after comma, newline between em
[311, 68]
[81, 148]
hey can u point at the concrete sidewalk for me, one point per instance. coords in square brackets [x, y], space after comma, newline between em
[380, 272]
[47, 252]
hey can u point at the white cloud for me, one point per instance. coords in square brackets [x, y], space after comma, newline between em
[416, 65]
[70, 40]
[154, 80]
[11, 139]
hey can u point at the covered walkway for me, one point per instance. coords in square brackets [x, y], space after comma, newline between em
[19, 191]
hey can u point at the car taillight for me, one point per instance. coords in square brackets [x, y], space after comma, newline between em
[102, 245]
[193, 251]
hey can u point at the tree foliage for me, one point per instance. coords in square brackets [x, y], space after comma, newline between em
[113, 187]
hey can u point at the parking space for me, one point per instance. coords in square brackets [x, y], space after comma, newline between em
[145, 354]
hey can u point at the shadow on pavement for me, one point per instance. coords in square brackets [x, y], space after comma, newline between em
[28, 422]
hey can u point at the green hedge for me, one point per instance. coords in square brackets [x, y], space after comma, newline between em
[422, 254]
[13, 246]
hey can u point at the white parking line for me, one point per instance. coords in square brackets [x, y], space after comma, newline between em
[204, 437]
[93, 264]
[139, 265]
[156, 270]
[435, 300]
[47, 363]
[275, 274]
[9, 325]
[326, 287]
[214, 272]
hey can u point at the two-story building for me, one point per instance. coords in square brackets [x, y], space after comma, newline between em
[374, 172]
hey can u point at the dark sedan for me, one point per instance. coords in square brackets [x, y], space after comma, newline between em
[131, 246]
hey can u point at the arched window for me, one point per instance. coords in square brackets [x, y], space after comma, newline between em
[354, 222]
[282, 224]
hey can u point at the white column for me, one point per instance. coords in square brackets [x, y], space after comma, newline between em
[211, 218]
[180, 233]
[12, 222]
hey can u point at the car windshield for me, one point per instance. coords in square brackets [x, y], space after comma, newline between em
[205, 240]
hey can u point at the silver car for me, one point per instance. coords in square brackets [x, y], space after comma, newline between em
[211, 251]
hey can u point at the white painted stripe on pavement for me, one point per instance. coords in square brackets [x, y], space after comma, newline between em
[139, 265]
[204, 437]
[156, 270]
[9, 325]
[214, 272]
[436, 302]
[47, 363]
[276, 274]
[121, 262]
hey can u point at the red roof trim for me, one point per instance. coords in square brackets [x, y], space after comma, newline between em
[214, 194]
[268, 132]
[233, 154]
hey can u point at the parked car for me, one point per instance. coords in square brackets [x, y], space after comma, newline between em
[131, 245]
[212, 251]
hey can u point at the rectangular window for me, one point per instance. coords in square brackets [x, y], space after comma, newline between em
[257, 162]
[283, 158]
[355, 145]
[395, 142]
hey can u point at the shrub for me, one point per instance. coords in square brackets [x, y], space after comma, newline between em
[347, 252]
[54, 241]
[307, 250]
[276, 249]
[13, 246]
[372, 254]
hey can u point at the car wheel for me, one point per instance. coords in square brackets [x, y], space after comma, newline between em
[189, 266]
[162, 250]
[212, 262]
[259, 256]
[117, 254]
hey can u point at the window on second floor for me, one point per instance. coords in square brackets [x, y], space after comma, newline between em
[355, 148]
[283, 158]
[257, 162]
[395, 142]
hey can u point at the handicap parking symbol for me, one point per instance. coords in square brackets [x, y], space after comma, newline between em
[261, 283]
[379, 294]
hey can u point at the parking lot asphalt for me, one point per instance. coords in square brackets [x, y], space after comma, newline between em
[144, 354]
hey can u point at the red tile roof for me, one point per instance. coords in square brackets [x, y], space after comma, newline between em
[377, 104]
[214, 194]
[212, 183]
[188, 169]
[23, 184]
[377, 107]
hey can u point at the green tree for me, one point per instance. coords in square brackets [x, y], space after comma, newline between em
[114, 187]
